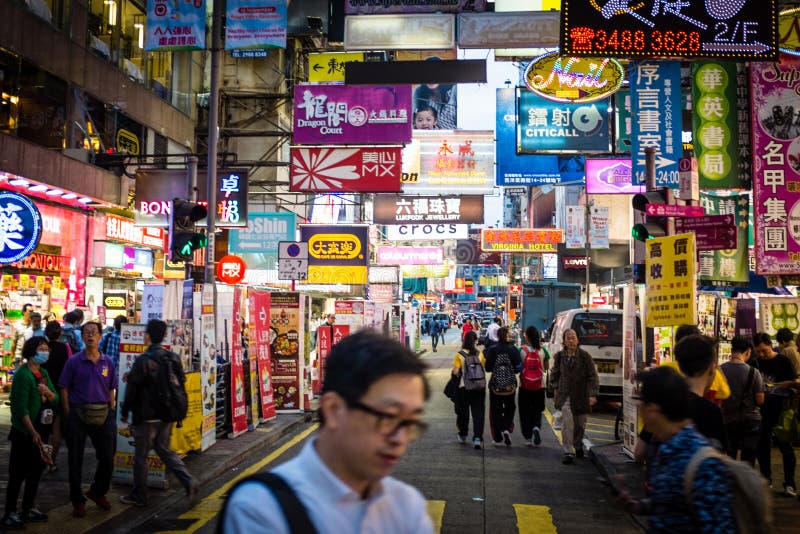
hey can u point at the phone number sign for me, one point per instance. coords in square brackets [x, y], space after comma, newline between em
[738, 29]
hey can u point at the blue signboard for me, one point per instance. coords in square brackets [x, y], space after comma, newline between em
[656, 119]
[547, 127]
[263, 233]
[20, 227]
[527, 169]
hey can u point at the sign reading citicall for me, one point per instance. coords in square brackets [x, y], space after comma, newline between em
[573, 79]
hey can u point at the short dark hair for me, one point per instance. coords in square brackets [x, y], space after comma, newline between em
[95, 323]
[470, 341]
[741, 344]
[361, 359]
[762, 338]
[30, 346]
[427, 108]
[26, 306]
[695, 354]
[783, 335]
[78, 314]
[686, 330]
[52, 330]
[665, 387]
[156, 329]
[532, 335]
[69, 317]
[502, 333]
[119, 320]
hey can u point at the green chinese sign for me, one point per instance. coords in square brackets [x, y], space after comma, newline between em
[726, 267]
[715, 126]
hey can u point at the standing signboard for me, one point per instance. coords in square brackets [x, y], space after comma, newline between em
[236, 390]
[208, 366]
[259, 346]
[287, 312]
[671, 285]
[656, 119]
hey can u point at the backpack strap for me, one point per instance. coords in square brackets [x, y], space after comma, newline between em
[293, 510]
[701, 455]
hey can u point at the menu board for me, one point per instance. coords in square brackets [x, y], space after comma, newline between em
[286, 347]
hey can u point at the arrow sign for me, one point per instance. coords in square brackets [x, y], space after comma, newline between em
[712, 232]
[674, 210]
[755, 47]
[318, 67]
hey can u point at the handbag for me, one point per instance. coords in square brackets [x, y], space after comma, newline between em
[788, 430]
[451, 388]
[92, 413]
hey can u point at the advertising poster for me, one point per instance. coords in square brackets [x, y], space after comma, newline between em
[707, 314]
[337, 254]
[175, 25]
[656, 119]
[630, 416]
[350, 313]
[189, 437]
[715, 125]
[663, 348]
[352, 114]
[152, 302]
[746, 324]
[526, 169]
[670, 281]
[598, 227]
[236, 391]
[324, 344]
[775, 313]
[610, 176]
[255, 24]
[259, 345]
[727, 327]
[545, 126]
[776, 166]
[576, 227]
[726, 267]
[208, 379]
[286, 317]
[373, 169]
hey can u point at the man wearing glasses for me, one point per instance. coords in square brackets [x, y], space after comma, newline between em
[370, 410]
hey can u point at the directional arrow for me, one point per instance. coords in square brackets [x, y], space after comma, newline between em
[317, 67]
[755, 47]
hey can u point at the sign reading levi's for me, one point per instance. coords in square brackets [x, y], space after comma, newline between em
[333, 169]
[521, 239]
[392, 209]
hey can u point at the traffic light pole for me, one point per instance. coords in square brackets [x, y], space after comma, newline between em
[586, 235]
[213, 140]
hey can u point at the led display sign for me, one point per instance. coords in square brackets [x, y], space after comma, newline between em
[735, 29]
[573, 79]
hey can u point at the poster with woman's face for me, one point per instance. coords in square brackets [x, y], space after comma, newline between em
[434, 105]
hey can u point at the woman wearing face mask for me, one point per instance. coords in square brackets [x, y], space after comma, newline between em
[33, 397]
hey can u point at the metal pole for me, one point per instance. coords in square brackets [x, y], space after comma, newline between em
[586, 235]
[650, 167]
[213, 138]
[191, 164]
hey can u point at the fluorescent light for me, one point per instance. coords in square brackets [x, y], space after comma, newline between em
[112, 12]
[21, 182]
[84, 200]
[40, 187]
[140, 29]
[55, 193]
[69, 196]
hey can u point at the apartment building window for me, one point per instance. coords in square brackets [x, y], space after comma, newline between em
[9, 92]
[42, 107]
[52, 11]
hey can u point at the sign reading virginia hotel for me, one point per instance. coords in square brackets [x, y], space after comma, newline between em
[362, 169]
[573, 79]
[521, 239]
[393, 209]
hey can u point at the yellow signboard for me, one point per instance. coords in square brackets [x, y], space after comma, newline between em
[671, 281]
[329, 67]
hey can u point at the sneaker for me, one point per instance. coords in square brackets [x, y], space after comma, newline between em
[462, 439]
[528, 443]
[193, 491]
[101, 501]
[578, 453]
[537, 436]
[477, 443]
[78, 510]
[11, 522]
[497, 443]
[789, 491]
[33, 516]
[507, 438]
[131, 499]
[568, 459]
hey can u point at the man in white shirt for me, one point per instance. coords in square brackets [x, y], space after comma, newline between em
[370, 410]
[19, 333]
[491, 331]
[35, 328]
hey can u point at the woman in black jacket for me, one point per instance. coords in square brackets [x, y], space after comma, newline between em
[504, 362]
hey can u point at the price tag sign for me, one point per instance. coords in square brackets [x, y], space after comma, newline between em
[741, 30]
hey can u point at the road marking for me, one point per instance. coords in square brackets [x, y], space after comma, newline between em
[209, 507]
[534, 519]
[436, 511]
[600, 425]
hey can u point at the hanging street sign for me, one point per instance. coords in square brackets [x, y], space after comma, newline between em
[673, 210]
[292, 260]
[712, 232]
[573, 79]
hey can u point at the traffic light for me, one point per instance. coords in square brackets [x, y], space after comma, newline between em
[184, 239]
[649, 226]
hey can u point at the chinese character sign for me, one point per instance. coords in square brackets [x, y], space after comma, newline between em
[20, 227]
[671, 287]
[231, 198]
[337, 254]
[175, 25]
[726, 267]
[656, 119]
[331, 169]
[393, 209]
[255, 24]
[715, 125]
[329, 66]
[776, 165]
[521, 239]
[344, 114]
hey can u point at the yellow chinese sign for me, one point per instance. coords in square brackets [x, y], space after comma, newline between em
[671, 287]
[329, 67]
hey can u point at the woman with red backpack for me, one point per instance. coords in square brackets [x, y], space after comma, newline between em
[531, 393]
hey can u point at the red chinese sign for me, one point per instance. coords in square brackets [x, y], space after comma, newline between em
[122, 229]
[521, 239]
[231, 269]
[238, 403]
[259, 345]
[367, 169]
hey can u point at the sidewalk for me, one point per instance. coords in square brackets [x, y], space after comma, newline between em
[610, 460]
[53, 496]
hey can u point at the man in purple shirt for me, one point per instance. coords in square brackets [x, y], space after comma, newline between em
[88, 384]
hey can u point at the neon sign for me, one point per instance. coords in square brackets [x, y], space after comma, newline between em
[573, 79]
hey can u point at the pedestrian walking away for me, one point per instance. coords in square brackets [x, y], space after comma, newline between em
[371, 408]
[435, 330]
[88, 398]
[470, 366]
[504, 362]
[741, 411]
[575, 385]
[531, 393]
[151, 427]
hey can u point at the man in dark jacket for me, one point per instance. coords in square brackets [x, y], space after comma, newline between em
[575, 386]
[504, 362]
[149, 431]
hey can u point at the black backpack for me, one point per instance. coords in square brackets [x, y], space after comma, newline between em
[504, 379]
[172, 397]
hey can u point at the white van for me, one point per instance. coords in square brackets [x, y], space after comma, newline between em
[599, 334]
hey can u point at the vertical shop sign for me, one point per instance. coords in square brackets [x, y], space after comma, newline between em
[236, 389]
[726, 267]
[259, 345]
[255, 24]
[670, 275]
[743, 125]
[576, 227]
[324, 344]
[286, 318]
[208, 377]
[727, 327]
[776, 166]
[656, 110]
[715, 124]
[175, 25]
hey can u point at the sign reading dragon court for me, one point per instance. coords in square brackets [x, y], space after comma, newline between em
[394, 209]
[521, 239]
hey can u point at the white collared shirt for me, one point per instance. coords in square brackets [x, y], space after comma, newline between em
[334, 508]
